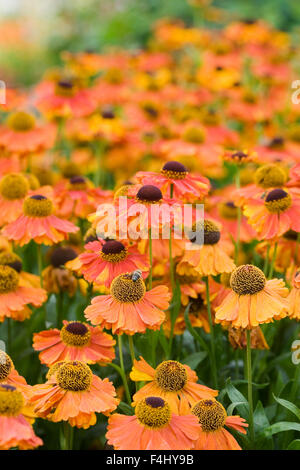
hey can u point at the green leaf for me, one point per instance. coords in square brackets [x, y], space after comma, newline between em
[255, 385]
[260, 423]
[193, 360]
[231, 407]
[290, 406]
[280, 427]
[192, 330]
[295, 445]
[238, 398]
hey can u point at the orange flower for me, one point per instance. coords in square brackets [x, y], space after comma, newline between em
[8, 258]
[57, 278]
[10, 376]
[15, 430]
[294, 298]
[15, 297]
[76, 341]
[153, 427]
[207, 259]
[13, 189]
[38, 223]
[174, 382]
[129, 308]
[253, 300]
[103, 261]
[212, 418]
[73, 393]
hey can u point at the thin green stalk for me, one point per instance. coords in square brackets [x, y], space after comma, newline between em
[123, 368]
[40, 268]
[249, 380]
[266, 264]
[59, 308]
[273, 262]
[9, 331]
[67, 436]
[212, 336]
[132, 354]
[151, 260]
[239, 220]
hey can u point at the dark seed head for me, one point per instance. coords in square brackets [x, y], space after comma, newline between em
[275, 195]
[77, 328]
[61, 255]
[149, 193]
[175, 166]
[112, 247]
[155, 402]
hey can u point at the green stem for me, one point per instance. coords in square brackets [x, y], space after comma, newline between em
[123, 377]
[59, 308]
[131, 348]
[273, 262]
[212, 336]
[123, 368]
[151, 260]
[9, 331]
[239, 220]
[249, 380]
[40, 268]
[266, 264]
[67, 436]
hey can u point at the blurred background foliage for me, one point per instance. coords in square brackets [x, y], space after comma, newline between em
[35, 32]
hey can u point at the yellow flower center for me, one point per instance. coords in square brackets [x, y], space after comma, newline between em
[37, 206]
[77, 183]
[269, 176]
[11, 400]
[9, 258]
[21, 121]
[228, 210]
[32, 181]
[74, 376]
[53, 369]
[196, 135]
[247, 279]
[122, 191]
[126, 290]
[113, 251]
[65, 88]
[171, 376]
[278, 201]
[9, 279]
[14, 186]
[70, 169]
[211, 414]
[6, 366]
[75, 334]
[211, 232]
[153, 412]
[174, 170]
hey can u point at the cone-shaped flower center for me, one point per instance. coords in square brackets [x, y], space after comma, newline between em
[74, 376]
[247, 279]
[113, 251]
[21, 121]
[239, 156]
[61, 255]
[126, 290]
[14, 186]
[153, 412]
[211, 232]
[278, 200]
[77, 183]
[65, 88]
[11, 400]
[195, 135]
[37, 206]
[75, 334]
[6, 366]
[53, 369]
[11, 259]
[171, 376]
[174, 170]
[228, 210]
[149, 194]
[211, 414]
[9, 279]
[269, 176]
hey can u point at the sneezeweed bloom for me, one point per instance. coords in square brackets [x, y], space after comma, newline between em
[38, 223]
[212, 418]
[210, 258]
[239, 157]
[129, 308]
[294, 298]
[57, 278]
[13, 189]
[237, 338]
[153, 427]
[73, 393]
[253, 299]
[104, 260]
[174, 382]
[15, 298]
[8, 258]
[15, 430]
[10, 376]
[76, 341]
[176, 176]
[275, 214]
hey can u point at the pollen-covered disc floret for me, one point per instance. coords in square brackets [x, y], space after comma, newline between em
[14, 186]
[11, 401]
[113, 251]
[53, 369]
[9, 279]
[149, 194]
[278, 200]
[171, 376]
[11, 259]
[228, 210]
[75, 334]
[211, 414]
[247, 279]
[124, 289]
[21, 121]
[269, 176]
[74, 376]
[211, 232]
[174, 170]
[37, 206]
[6, 366]
[153, 412]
